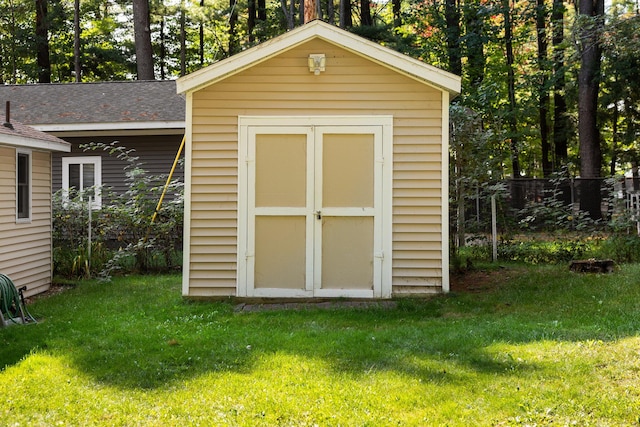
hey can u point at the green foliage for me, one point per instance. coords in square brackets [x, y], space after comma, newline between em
[124, 238]
[621, 248]
[543, 252]
[136, 353]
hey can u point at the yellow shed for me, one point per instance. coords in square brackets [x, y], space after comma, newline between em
[316, 167]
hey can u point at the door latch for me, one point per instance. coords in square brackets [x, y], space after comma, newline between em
[318, 214]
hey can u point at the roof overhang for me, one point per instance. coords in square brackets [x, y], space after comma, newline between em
[115, 128]
[34, 144]
[384, 56]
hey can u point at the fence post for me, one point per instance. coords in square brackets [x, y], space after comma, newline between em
[89, 235]
[494, 228]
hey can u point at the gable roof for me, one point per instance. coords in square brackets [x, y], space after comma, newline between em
[100, 106]
[18, 135]
[318, 29]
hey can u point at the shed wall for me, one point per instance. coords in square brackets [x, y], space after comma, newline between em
[25, 248]
[283, 86]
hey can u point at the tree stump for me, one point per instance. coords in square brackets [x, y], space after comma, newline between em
[592, 266]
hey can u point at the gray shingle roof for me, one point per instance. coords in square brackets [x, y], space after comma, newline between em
[102, 102]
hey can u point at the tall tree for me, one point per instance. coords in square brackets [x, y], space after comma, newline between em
[345, 14]
[512, 119]
[365, 13]
[42, 42]
[560, 120]
[543, 89]
[76, 41]
[452, 33]
[234, 44]
[142, 36]
[591, 14]
[474, 43]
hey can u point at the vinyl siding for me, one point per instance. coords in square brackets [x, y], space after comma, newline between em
[25, 248]
[283, 86]
[156, 154]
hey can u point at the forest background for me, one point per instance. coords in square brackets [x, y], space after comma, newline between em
[549, 87]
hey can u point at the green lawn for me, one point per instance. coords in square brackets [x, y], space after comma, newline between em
[543, 347]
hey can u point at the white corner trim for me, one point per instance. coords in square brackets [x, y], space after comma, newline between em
[186, 240]
[445, 192]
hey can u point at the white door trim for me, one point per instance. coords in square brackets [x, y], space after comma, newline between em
[247, 129]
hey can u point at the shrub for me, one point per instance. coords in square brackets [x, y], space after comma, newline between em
[124, 238]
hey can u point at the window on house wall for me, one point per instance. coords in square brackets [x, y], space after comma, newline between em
[82, 177]
[23, 186]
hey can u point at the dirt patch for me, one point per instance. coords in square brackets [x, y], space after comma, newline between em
[54, 289]
[480, 280]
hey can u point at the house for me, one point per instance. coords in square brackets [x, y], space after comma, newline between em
[25, 204]
[316, 167]
[147, 116]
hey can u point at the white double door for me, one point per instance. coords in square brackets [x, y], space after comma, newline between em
[314, 217]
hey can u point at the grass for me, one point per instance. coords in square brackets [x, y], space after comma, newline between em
[543, 347]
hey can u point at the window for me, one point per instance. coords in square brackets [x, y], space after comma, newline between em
[23, 186]
[82, 177]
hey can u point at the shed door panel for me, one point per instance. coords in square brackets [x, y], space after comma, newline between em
[314, 226]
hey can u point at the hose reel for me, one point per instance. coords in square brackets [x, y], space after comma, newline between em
[12, 306]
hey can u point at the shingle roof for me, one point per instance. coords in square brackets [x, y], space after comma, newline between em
[103, 102]
[21, 135]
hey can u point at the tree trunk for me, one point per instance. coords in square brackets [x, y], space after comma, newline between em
[397, 13]
[288, 12]
[614, 140]
[516, 192]
[452, 18]
[201, 38]
[183, 40]
[251, 18]
[365, 13]
[560, 123]
[543, 90]
[42, 42]
[310, 10]
[588, 84]
[163, 50]
[345, 14]
[142, 33]
[474, 45]
[233, 34]
[76, 41]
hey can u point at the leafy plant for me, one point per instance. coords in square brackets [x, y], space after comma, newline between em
[124, 238]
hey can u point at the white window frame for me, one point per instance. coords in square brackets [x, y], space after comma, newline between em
[96, 161]
[29, 154]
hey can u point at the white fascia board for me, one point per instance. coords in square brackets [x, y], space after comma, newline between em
[109, 128]
[242, 61]
[392, 59]
[382, 55]
[34, 144]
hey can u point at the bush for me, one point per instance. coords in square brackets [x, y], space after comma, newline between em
[125, 235]
[622, 248]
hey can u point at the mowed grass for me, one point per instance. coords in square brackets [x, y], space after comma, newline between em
[542, 346]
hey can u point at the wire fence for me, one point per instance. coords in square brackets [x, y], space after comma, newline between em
[545, 201]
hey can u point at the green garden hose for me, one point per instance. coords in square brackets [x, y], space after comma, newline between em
[11, 305]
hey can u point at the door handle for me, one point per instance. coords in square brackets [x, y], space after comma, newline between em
[318, 215]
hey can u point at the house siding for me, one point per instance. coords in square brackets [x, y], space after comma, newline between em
[25, 252]
[156, 153]
[283, 86]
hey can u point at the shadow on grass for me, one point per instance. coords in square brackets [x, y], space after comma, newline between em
[138, 333]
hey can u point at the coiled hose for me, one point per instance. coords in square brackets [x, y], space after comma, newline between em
[12, 302]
